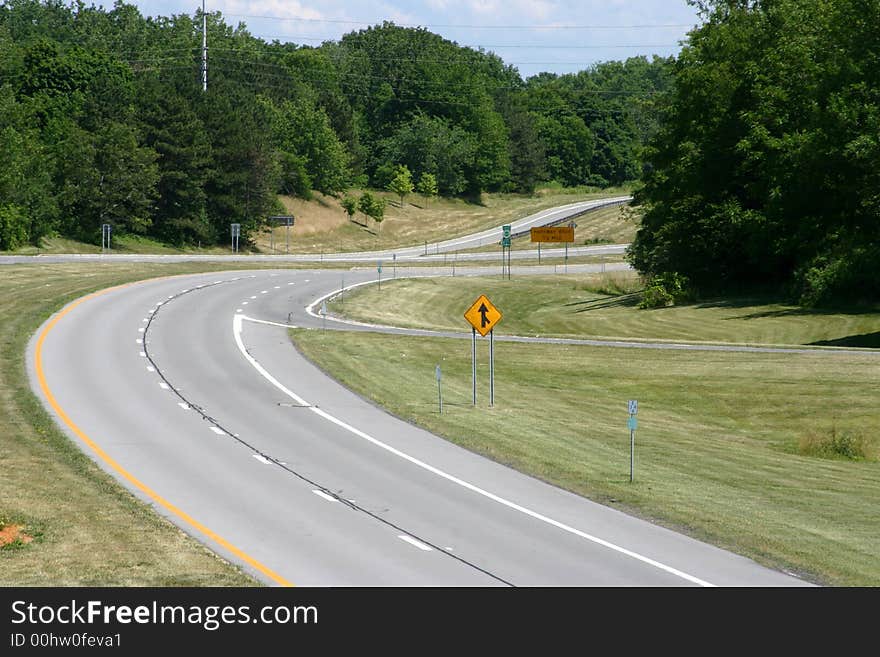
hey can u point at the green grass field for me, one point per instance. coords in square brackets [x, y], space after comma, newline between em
[605, 306]
[733, 448]
[88, 530]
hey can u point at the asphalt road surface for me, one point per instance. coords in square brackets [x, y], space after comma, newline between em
[433, 252]
[188, 390]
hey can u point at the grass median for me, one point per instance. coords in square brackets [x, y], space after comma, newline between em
[771, 455]
[604, 306]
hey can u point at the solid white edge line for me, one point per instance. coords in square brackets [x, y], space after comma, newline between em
[236, 330]
[327, 497]
[412, 541]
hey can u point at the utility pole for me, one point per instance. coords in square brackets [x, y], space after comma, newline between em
[204, 48]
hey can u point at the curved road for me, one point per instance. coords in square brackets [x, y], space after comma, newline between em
[434, 252]
[188, 391]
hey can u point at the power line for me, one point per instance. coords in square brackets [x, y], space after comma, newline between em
[472, 26]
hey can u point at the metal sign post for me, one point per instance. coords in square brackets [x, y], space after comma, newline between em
[491, 368]
[235, 230]
[439, 391]
[633, 406]
[483, 316]
[324, 313]
[106, 230]
[287, 220]
[394, 261]
[505, 244]
[379, 269]
[474, 362]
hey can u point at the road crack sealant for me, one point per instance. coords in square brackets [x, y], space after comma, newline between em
[256, 452]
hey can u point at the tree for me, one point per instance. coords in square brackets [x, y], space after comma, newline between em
[401, 184]
[427, 186]
[764, 171]
[372, 207]
[350, 205]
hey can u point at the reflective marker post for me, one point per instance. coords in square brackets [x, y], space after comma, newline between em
[633, 406]
[439, 392]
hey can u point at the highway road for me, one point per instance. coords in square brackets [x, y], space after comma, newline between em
[428, 252]
[189, 392]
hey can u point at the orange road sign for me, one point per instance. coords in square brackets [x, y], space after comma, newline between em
[482, 315]
[553, 234]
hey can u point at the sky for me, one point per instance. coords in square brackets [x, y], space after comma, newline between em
[559, 36]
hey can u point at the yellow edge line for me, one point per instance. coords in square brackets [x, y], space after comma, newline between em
[149, 492]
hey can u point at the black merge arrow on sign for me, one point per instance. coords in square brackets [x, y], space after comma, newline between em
[483, 319]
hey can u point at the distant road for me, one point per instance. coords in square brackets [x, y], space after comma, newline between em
[429, 252]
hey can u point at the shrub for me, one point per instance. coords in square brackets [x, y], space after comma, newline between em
[836, 444]
[665, 290]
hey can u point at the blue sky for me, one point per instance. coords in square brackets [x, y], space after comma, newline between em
[534, 35]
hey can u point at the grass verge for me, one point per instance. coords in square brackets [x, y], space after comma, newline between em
[87, 529]
[718, 450]
[604, 306]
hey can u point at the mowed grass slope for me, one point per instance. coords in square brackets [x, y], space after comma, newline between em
[603, 306]
[322, 226]
[89, 531]
[719, 449]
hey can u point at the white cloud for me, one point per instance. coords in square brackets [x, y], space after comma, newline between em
[278, 8]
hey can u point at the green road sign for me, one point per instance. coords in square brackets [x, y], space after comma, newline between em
[505, 242]
[633, 423]
[506, 231]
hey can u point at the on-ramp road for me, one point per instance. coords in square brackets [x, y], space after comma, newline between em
[217, 421]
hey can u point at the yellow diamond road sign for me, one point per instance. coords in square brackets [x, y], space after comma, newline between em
[482, 315]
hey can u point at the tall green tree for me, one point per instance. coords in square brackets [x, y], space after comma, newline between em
[401, 184]
[764, 170]
[427, 186]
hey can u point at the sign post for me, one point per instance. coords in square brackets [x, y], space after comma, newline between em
[505, 244]
[491, 368]
[439, 391]
[106, 229]
[281, 220]
[474, 362]
[483, 316]
[235, 229]
[379, 269]
[633, 406]
[394, 261]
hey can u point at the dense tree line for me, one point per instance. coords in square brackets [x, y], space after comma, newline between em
[766, 169]
[103, 120]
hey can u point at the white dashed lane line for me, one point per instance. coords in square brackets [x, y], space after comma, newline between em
[183, 405]
[262, 459]
[218, 431]
[412, 541]
[164, 385]
[327, 497]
